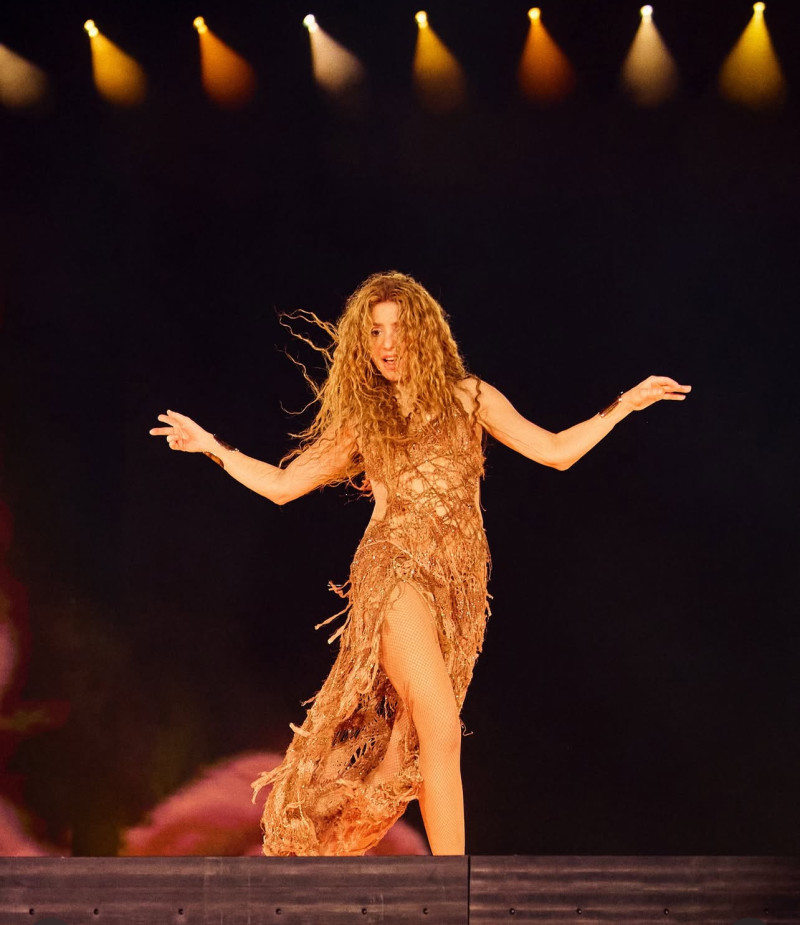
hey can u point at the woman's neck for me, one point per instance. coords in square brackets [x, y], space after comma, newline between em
[405, 399]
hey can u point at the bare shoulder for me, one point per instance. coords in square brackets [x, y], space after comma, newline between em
[467, 391]
[476, 395]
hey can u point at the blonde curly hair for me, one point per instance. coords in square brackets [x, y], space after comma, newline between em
[355, 399]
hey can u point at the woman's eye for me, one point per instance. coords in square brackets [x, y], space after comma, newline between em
[374, 333]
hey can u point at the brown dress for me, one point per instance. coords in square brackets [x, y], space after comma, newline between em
[322, 801]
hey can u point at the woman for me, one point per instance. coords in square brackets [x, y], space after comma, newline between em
[399, 409]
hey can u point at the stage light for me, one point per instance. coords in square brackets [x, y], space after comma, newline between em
[336, 70]
[227, 78]
[751, 74]
[545, 74]
[649, 73]
[438, 78]
[118, 78]
[21, 83]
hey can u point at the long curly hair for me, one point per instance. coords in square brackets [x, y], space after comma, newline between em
[355, 398]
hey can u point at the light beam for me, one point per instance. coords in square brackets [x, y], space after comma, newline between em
[117, 76]
[21, 83]
[336, 70]
[227, 78]
[649, 73]
[751, 74]
[438, 78]
[545, 74]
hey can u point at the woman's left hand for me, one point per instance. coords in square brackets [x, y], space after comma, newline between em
[653, 389]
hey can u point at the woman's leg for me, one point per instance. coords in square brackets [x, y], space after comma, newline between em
[411, 657]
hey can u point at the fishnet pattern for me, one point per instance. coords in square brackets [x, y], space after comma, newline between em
[358, 758]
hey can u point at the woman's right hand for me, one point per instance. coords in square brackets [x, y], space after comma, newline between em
[184, 434]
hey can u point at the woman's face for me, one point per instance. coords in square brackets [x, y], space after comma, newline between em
[385, 341]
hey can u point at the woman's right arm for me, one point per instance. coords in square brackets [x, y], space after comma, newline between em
[322, 462]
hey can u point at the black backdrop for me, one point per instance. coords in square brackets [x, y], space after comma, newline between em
[638, 689]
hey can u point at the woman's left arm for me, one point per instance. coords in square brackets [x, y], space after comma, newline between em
[560, 450]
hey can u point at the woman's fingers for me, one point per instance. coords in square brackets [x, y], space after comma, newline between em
[181, 431]
[670, 384]
[172, 417]
[174, 421]
[173, 432]
[658, 388]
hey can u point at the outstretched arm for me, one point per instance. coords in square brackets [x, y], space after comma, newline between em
[560, 450]
[322, 462]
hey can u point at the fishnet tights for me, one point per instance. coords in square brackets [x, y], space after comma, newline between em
[412, 658]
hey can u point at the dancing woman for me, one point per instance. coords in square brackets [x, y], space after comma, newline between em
[399, 411]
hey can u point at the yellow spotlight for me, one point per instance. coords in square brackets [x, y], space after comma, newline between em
[336, 70]
[117, 76]
[227, 78]
[751, 74]
[439, 79]
[310, 22]
[649, 73]
[21, 83]
[545, 74]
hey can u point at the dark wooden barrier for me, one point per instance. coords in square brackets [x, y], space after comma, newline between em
[634, 890]
[433, 891]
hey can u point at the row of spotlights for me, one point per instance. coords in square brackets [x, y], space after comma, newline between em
[312, 25]
[533, 14]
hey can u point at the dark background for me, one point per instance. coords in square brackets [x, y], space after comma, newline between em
[638, 693]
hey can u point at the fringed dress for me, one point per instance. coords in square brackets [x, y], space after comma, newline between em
[322, 801]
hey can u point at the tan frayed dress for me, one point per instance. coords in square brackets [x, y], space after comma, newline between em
[322, 801]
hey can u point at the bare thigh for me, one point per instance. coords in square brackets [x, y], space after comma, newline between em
[412, 659]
